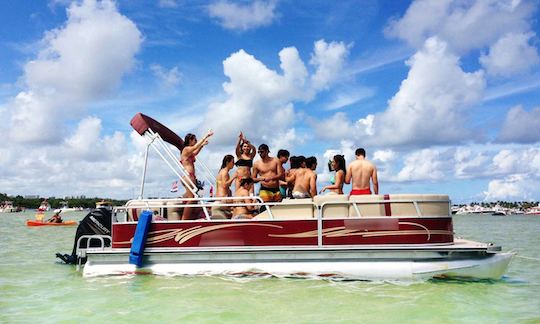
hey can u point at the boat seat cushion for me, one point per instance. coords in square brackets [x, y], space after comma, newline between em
[365, 206]
[428, 205]
[290, 209]
[335, 206]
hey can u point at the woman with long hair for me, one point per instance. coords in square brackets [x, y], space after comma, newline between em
[338, 165]
[245, 152]
[223, 184]
[191, 149]
[224, 180]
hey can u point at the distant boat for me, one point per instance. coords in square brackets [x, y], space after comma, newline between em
[533, 211]
[499, 211]
[64, 207]
[7, 207]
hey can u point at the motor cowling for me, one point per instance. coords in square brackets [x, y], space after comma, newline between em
[96, 222]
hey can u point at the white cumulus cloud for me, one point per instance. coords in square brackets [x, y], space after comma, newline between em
[510, 55]
[82, 61]
[521, 126]
[464, 25]
[261, 100]
[432, 100]
[469, 163]
[425, 164]
[329, 59]
[514, 187]
[243, 16]
[169, 78]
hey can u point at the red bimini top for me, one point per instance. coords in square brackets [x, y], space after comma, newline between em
[141, 123]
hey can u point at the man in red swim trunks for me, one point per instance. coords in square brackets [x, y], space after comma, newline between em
[361, 171]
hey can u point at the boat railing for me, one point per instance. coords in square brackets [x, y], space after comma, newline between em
[198, 202]
[326, 208]
[80, 251]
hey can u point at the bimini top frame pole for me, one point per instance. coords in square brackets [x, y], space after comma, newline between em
[156, 135]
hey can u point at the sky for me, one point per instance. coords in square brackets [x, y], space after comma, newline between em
[444, 95]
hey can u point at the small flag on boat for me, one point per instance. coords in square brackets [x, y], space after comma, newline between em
[174, 187]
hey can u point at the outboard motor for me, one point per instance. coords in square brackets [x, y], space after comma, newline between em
[97, 222]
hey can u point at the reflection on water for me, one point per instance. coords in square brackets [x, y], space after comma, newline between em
[35, 287]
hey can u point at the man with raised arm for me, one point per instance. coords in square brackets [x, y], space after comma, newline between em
[361, 171]
[266, 171]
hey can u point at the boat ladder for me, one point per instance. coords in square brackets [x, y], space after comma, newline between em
[81, 251]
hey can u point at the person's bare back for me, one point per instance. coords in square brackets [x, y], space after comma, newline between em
[305, 183]
[361, 172]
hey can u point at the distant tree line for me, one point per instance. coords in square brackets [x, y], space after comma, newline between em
[34, 203]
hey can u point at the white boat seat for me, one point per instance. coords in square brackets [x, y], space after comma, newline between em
[364, 208]
[428, 205]
[330, 210]
[290, 209]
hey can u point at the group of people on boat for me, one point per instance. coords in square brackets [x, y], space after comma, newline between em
[276, 183]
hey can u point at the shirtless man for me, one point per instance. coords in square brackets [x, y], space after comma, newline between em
[267, 171]
[283, 157]
[305, 183]
[244, 212]
[311, 163]
[362, 171]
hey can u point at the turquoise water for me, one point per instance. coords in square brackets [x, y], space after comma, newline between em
[35, 288]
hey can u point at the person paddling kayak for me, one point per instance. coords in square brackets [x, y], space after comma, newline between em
[56, 218]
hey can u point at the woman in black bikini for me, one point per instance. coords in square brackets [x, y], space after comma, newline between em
[245, 152]
[187, 158]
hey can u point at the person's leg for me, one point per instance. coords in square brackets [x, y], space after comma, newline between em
[186, 214]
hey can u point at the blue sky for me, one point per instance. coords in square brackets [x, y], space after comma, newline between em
[444, 95]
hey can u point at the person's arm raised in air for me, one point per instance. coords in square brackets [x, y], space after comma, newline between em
[375, 181]
[239, 145]
[195, 149]
[252, 149]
